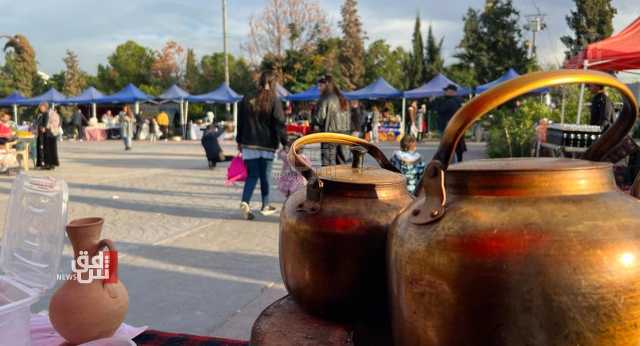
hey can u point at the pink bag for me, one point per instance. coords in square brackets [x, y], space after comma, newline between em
[237, 171]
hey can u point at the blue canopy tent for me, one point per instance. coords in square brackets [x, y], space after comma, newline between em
[435, 87]
[176, 94]
[380, 89]
[223, 94]
[12, 100]
[91, 96]
[509, 75]
[311, 94]
[128, 94]
[53, 97]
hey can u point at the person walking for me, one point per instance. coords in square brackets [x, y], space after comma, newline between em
[127, 126]
[261, 129]
[78, 122]
[48, 128]
[445, 108]
[412, 121]
[333, 116]
[376, 117]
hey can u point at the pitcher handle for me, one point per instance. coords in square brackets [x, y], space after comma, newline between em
[433, 181]
[302, 166]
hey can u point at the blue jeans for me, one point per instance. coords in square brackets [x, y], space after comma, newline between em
[257, 169]
[127, 142]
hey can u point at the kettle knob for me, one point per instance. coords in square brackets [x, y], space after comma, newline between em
[358, 154]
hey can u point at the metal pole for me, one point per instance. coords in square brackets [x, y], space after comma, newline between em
[404, 115]
[235, 119]
[563, 106]
[224, 43]
[94, 110]
[15, 114]
[581, 100]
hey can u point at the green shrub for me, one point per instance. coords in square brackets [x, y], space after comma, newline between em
[512, 131]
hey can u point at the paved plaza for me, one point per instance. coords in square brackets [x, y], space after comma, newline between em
[190, 263]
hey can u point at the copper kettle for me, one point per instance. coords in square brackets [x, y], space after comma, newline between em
[519, 251]
[333, 234]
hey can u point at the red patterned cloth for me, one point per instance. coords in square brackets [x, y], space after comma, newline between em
[157, 338]
[298, 129]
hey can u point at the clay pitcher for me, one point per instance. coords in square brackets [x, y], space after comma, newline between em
[81, 311]
[523, 251]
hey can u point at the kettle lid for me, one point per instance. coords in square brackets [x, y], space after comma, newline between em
[347, 174]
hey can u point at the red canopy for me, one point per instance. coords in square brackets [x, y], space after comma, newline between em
[617, 53]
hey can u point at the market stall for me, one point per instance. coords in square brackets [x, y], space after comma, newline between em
[381, 89]
[90, 96]
[13, 101]
[53, 97]
[223, 94]
[178, 95]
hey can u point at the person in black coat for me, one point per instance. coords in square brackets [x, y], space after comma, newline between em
[445, 108]
[212, 146]
[601, 107]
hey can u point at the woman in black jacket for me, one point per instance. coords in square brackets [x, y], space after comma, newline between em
[261, 129]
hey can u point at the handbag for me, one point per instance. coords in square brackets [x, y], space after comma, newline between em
[237, 171]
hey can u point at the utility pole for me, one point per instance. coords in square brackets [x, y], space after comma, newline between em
[224, 39]
[535, 24]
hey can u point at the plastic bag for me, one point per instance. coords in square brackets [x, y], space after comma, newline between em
[237, 171]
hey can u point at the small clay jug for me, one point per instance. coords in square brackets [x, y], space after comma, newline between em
[80, 311]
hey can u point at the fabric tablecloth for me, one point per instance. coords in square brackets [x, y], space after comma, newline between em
[299, 129]
[95, 134]
[158, 338]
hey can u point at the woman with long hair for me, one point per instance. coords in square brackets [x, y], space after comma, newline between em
[48, 127]
[333, 116]
[127, 125]
[261, 129]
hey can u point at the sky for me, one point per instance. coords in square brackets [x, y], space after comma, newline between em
[93, 28]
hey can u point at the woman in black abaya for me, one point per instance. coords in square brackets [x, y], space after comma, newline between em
[48, 127]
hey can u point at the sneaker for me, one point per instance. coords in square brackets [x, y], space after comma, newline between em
[247, 214]
[268, 210]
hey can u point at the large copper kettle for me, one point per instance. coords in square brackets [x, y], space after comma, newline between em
[333, 234]
[519, 251]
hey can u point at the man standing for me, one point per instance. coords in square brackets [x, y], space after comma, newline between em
[356, 118]
[333, 116]
[445, 108]
[601, 107]
[79, 122]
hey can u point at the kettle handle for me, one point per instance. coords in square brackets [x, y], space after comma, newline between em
[302, 166]
[433, 180]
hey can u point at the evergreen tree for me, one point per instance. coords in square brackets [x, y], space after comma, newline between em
[415, 68]
[434, 62]
[492, 41]
[74, 79]
[382, 61]
[590, 22]
[191, 73]
[352, 52]
[21, 69]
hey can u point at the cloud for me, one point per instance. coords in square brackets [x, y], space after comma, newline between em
[94, 28]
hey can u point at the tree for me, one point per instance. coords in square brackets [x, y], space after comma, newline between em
[284, 25]
[212, 69]
[74, 79]
[20, 67]
[167, 67]
[381, 61]
[472, 48]
[492, 41]
[130, 63]
[590, 22]
[415, 67]
[433, 62]
[352, 51]
[191, 74]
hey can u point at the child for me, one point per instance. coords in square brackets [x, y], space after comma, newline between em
[290, 180]
[409, 162]
[154, 131]
[212, 146]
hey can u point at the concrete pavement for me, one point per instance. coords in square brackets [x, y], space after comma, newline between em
[190, 263]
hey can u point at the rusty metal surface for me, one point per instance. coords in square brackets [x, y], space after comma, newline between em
[332, 260]
[529, 252]
[284, 323]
